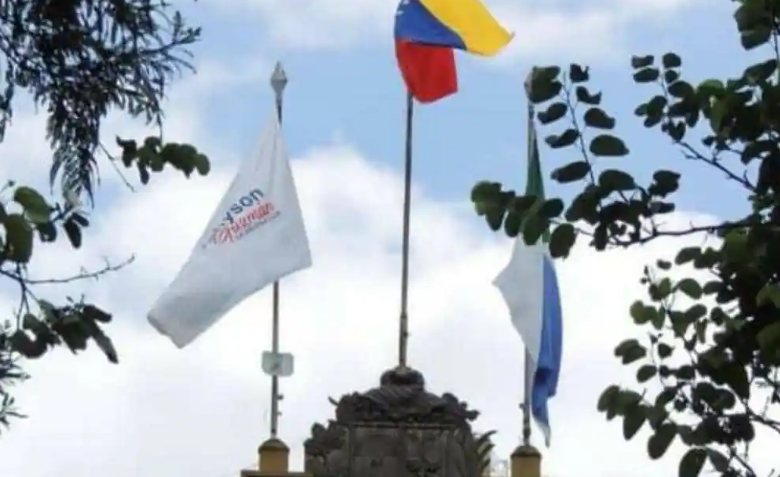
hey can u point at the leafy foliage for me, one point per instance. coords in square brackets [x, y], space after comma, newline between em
[38, 325]
[712, 346]
[78, 59]
[485, 447]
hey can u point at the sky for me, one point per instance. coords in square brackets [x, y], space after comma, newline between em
[203, 411]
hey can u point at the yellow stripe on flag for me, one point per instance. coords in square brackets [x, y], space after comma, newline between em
[477, 28]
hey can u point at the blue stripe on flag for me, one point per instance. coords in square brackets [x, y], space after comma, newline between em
[545, 382]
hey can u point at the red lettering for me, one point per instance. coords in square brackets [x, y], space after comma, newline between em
[255, 214]
[224, 235]
[234, 231]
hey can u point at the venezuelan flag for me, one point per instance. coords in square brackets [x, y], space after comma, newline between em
[428, 31]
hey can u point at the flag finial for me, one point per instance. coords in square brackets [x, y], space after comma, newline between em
[278, 80]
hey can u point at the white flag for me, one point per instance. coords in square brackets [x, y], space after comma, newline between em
[255, 237]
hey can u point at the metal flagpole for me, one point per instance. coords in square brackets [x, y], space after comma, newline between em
[527, 401]
[403, 332]
[278, 82]
[527, 375]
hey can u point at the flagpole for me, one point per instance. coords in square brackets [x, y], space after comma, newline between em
[403, 332]
[278, 83]
[528, 365]
[527, 400]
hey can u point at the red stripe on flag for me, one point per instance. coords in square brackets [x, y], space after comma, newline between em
[429, 71]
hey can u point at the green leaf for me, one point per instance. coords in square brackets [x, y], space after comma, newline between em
[647, 75]
[494, 218]
[760, 72]
[202, 164]
[634, 354]
[553, 113]
[664, 265]
[696, 312]
[143, 173]
[545, 74]
[659, 442]
[711, 87]
[35, 206]
[664, 183]
[599, 119]
[646, 373]
[512, 224]
[485, 191]
[769, 294]
[566, 139]
[754, 38]
[638, 62]
[562, 240]
[93, 313]
[47, 232]
[661, 290]
[719, 461]
[625, 345]
[583, 207]
[687, 255]
[491, 202]
[690, 287]
[19, 238]
[681, 90]
[671, 60]
[572, 172]
[32, 323]
[20, 342]
[664, 350]
[153, 143]
[718, 113]
[692, 463]
[585, 97]
[659, 318]
[642, 314]
[606, 145]
[551, 208]
[73, 231]
[129, 150]
[632, 422]
[769, 337]
[686, 372]
[533, 228]
[103, 341]
[607, 398]
[524, 204]
[736, 377]
[701, 331]
[80, 219]
[751, 14]
[543, 89]
[578, 74]
[616, 180]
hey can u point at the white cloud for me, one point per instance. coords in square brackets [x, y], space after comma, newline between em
[544, 30]
[202, 411]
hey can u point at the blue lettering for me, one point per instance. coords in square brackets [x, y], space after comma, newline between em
[249, 200]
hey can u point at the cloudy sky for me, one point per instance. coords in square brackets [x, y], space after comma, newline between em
[202, 411]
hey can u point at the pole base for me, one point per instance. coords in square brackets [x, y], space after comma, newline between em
[526, 461]
[273, 457]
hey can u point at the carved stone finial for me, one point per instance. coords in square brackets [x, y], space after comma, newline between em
[402, 376]
[401, 398]
[398, 429]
